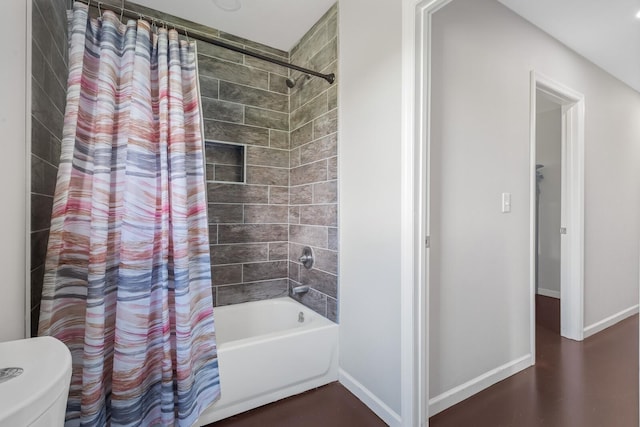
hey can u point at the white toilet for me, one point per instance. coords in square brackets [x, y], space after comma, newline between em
[34, 382]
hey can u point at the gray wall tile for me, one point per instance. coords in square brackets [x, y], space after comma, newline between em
[319, 149]
[265, 271]
[319, 215]
[301, 195]
[237, 193]
[332, 309]
[236, 294]
[247, 233]
[278, 251]
[277, 83]
[279, 195]
[278, 139]
[312, 109]
[228, 173]
[258, 156]
[233, 132]
[333, 238]
[332, 168]
[209, 87]
[313, 299]
[221, 110]
[226, 274]
[320, 281]
[209, 49]
[312, 172]
[308, 235]
[325, 124]
[231, 72]
[252, 96]
[266, 118]
[265, 214]
[238, 254]
[225, 213]
[325, 192]
[302, 135]
[267, 176]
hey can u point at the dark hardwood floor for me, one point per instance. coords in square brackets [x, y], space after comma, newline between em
[328, 406]
[593, 383]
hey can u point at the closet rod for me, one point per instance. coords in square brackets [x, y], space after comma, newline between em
[194, 34]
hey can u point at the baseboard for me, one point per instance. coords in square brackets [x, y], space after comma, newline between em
[476, 385]
[387, 414]
[610, 321]
[549, 293]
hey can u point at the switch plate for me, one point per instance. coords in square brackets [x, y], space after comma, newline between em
[506, 202]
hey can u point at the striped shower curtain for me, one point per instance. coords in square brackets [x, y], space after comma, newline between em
[128, 280]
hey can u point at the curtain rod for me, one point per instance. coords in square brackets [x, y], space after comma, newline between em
[128, 13]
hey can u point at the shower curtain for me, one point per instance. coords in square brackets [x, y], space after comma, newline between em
[128, 278]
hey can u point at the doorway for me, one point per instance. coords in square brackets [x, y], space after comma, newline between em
[557, 205]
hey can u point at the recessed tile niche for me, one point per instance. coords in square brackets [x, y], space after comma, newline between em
[225, 162]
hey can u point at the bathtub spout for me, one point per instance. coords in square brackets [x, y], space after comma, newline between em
[300, 290]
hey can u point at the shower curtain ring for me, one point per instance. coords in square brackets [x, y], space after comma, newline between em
[99, 10]
[121, 10]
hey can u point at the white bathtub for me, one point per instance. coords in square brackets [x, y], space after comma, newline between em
[266, 354]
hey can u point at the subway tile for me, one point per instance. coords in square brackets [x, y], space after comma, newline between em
[265, 214]
[312, 172]
[326, 260]
[255, 46]
[220, 110]
[266, 118]
[38, 247]
[234, 132]
[294, 271]
[332, 168]
[55, 90]
[294, 157]
[265, 65]
[231, 72]
[237, 193]
[43, 177]
[43, 110]
[208, 171]
[37, 280]
[225, 213]
[265, 271]
[325, 56]
[246, 233]
[332, 21]
[325, 124]
[237, 254]
[226, 274]
[278, 139]
[259, 156]
[332, 238]
[332, 97]
[326, 215]
[305, 90]
[267, 176]
[278, 195]
[212, 50]
[320, 281]
[213, 234]
[294, 215]
[255, 97]
[319, 149]
[226, 154]
[228, 173]
[236, 294]
[308, 235]
[332, 309]
[278, 83]
[39, 65]
[302, 135]
[311, 43]
[208, 87]
[41, 142]
[309, 111]
[313, 299]
[325, 192]
[278, 251]
[41, 207]
[301, 195]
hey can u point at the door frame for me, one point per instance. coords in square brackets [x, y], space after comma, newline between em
[416, 104]
[572, 206]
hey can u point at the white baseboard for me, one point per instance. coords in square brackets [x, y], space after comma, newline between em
[610, 321]
[549, 293]
[387, 414]
[476, 385]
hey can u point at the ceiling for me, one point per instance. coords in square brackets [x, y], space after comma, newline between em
[604, 31]
[276, 23]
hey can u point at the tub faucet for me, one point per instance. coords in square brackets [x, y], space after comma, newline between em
[300, 290]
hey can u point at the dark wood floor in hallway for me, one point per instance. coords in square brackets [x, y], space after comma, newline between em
[593, 383]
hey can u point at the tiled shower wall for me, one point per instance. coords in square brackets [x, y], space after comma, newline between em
[246, 101]
[49, 82]
[313, 216]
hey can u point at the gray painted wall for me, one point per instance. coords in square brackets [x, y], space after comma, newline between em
[482, 58]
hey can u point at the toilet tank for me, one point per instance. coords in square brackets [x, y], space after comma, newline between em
[34, 382]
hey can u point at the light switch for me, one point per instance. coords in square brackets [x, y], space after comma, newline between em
[506, 202]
